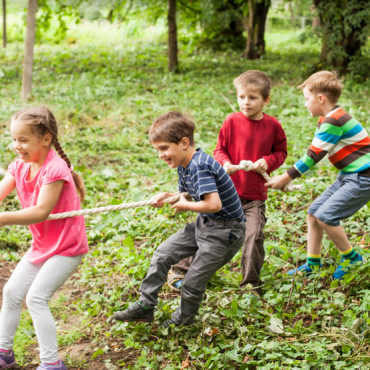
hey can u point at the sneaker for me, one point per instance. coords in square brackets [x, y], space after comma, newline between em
[167, 323]
[136, 312]
[60, 366]
[178, 284]
[341, 270]
[305, 269]
[7, 361]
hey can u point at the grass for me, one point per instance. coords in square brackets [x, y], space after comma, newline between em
[106, 90]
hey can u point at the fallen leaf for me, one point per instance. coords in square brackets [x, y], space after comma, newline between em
[185, 363]
[246, 359]
[213, 332]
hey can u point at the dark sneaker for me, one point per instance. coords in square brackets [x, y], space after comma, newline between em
[7, 361]
[60, 366]
[136, 312]
[341, 270]
[167, 323]
[305, 269]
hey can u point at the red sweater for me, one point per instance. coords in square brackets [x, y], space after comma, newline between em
[243, 138]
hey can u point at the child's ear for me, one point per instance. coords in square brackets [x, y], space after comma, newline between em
[48, 139]
[185, 143]
[267, 100]
[321, 98]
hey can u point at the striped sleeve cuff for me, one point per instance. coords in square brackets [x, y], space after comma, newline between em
[293, 173]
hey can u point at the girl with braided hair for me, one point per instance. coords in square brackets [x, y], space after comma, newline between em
[46, 183]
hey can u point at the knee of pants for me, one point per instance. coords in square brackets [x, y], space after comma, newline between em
[35, 300]
[11, 296]
[160, 256]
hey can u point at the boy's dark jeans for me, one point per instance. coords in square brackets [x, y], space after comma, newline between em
[253, 253]
[213, 243]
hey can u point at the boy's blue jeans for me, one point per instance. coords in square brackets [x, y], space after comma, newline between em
[213, 243]
[342, 199]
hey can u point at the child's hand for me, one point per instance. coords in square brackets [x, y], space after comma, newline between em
[181, 205]
[158, 199]
[260, 166]
[230, 168]
[278, 182]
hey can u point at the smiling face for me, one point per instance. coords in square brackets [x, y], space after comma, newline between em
[251, 102]
[30, 147]
[314, 102]
[173, 154]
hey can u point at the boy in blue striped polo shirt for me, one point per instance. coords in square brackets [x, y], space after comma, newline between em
[214, 238]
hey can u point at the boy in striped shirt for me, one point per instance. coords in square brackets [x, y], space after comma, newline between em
[214, 238]
[348, 146]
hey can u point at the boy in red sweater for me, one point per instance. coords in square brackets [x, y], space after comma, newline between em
[255, 136]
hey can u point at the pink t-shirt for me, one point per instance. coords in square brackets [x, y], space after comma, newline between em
[66, 237]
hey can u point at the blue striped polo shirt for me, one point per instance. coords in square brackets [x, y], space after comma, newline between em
[204, 175]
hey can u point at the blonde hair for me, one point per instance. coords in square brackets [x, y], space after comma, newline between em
[43, 122]
[326, 83]
[255, 79]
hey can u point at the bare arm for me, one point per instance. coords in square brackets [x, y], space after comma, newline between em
[48, 198]
[211, 204]
[7, 185]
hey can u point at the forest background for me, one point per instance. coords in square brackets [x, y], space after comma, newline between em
[103, 68]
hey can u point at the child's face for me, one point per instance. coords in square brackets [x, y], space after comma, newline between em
[173, 154]
[251, 102]
[312, 103]
[28, 146]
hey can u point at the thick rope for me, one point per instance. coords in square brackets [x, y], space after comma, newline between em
[243, 165]
[119, 207]
[249, 166]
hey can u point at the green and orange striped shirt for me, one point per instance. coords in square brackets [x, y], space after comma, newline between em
[346, 141]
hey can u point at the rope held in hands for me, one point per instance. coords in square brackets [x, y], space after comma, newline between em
[243, 165]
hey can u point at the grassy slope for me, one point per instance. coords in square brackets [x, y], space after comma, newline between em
[106, 90]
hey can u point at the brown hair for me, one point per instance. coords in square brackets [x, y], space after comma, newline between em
[172, 127]
[326, 83]
[255, 79]
[43, 122]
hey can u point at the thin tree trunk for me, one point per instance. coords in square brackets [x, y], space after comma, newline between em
[262, 10]
[4, 23]
[172, 36]
[256, 28]
[249, 51]
[28, 51]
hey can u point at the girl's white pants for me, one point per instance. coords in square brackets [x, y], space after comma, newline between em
[41, 281]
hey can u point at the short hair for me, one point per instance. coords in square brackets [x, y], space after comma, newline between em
[255, 79]
[172, 127]
[326, 83]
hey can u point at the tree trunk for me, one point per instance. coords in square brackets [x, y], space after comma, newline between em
[256, 28]
[172, 36]
[28, 50]
[4, 23]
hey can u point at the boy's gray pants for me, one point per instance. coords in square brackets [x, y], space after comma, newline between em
[214, 242]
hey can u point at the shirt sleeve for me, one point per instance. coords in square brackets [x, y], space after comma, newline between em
[12, 168]
[279, 150]
[55, 173]
[203, 180]
[326, 137]
[181, 186]
[221, 152]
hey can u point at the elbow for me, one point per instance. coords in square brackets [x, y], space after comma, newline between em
[217, 207]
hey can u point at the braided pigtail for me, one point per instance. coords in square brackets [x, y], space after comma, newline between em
[80, 186]
[43, 122]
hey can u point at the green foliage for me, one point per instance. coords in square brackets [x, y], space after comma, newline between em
[345, 27]
[105, 93]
